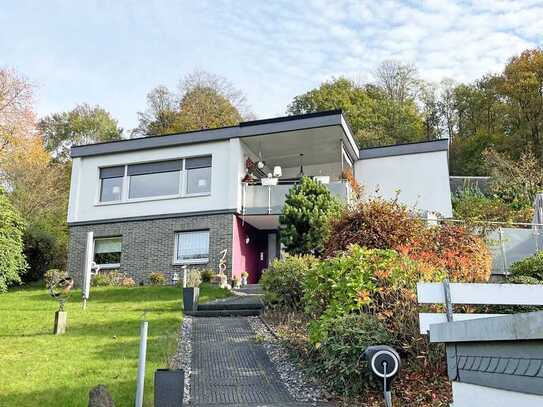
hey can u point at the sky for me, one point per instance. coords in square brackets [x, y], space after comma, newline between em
[112, 53]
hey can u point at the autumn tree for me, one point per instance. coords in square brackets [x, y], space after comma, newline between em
[85, 124]
[203, 101]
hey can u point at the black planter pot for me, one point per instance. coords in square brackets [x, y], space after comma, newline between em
[190, 298]
[169, 387]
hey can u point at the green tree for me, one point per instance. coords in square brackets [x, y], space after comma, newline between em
[305, 219]
[84, 124]
[12, 260]
[376, 118]
[204, 101]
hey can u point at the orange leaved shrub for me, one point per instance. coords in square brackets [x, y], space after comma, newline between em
[382, 224]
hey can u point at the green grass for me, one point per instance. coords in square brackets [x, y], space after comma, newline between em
[100, 346]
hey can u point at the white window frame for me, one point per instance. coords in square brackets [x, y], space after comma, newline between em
[183, 183]
[176, 261]
[107, 265]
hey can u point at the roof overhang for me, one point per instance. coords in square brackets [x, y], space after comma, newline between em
[244, 129]
[405, 149]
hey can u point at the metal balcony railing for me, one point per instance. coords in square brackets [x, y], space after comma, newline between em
[264, 199]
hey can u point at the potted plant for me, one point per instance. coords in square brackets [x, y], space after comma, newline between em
[192, 291]
[244, 276]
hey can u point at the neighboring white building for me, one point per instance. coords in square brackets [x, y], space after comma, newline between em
[158, 203]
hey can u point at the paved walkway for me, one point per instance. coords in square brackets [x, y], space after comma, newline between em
[230, 369]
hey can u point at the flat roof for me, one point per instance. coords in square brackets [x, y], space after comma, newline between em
[244, 129]
[404, 149]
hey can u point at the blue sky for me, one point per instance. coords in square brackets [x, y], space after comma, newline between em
[112, 53]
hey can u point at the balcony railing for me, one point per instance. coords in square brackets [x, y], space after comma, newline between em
[264, 199]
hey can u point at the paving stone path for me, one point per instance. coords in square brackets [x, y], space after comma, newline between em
[229, 368]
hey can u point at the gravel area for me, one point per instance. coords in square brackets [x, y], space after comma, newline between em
[183, 355]
[299, 387]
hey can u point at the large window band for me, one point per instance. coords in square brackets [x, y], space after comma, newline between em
[154, 168]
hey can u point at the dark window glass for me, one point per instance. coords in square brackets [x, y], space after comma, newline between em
[107, 251]
[192, 246]
[199, 180]
[156, 184]
[111, 189]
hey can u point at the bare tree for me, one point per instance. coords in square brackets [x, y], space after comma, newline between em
[398, 80]
[16, 107]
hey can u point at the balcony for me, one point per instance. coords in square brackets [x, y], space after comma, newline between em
[263, 199]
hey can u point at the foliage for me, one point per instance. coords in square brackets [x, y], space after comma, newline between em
[106, 278]
[382, 224]
[529, 267]
[52, 276]
[204, 101]
[340, 364]
[12, 260]
[304, 221]
[43, 250]
[193, 278]
[84, 124]
[282, 281]
[351, 281]
[376, 118]
[100, 346]
[473, 206]
[206, 275]
[515, 182]
[157, 278]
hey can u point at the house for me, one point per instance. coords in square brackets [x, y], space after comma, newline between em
[160, 203]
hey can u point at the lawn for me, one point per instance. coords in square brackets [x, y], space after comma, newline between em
[100, 346]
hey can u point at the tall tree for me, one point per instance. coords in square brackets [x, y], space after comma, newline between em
[203, 101]
[16, 108]
[398, 80]
[522, 84]
[84, 124]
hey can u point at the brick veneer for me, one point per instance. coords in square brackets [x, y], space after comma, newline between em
[148, 245]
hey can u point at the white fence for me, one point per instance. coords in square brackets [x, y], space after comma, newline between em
[475, 294]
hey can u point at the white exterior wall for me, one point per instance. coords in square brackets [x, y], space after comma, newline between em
[227, 166]
[471, 395]
[421, 179]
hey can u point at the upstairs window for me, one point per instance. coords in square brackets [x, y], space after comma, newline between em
[192, 247]
[198, 175]
[107, 252]
[111, 183]
[154, 179]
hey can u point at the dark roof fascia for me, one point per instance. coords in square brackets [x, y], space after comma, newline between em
[405, 149]
[246, 129]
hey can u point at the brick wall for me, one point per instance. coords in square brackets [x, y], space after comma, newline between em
[148, 245]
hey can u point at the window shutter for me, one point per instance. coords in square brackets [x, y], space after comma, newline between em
[112, 172]
[156, 167]
[198, 162]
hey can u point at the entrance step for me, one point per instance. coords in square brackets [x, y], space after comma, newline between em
[293, 404]
[225, 313]
[219, 306]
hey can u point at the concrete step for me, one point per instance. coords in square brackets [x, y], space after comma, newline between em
[225, 313]
[291, 404]
[218, 306]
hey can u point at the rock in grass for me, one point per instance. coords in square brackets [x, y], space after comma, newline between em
[100, 397]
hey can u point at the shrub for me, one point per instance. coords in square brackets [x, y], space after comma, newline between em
[104, 279]
[127, 282]
[305, 219]
[340, 363]
[282, 281]
[529, 267]
[12, 260]
[52, 276]
[382, 224]
[206, 275]
[157, 278]
[352, 281]
[193, 279]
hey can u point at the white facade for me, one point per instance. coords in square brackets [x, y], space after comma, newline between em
[226, 173]
[419, 180]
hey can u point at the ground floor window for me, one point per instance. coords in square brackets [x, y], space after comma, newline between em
[192, 247]
[107, 252]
